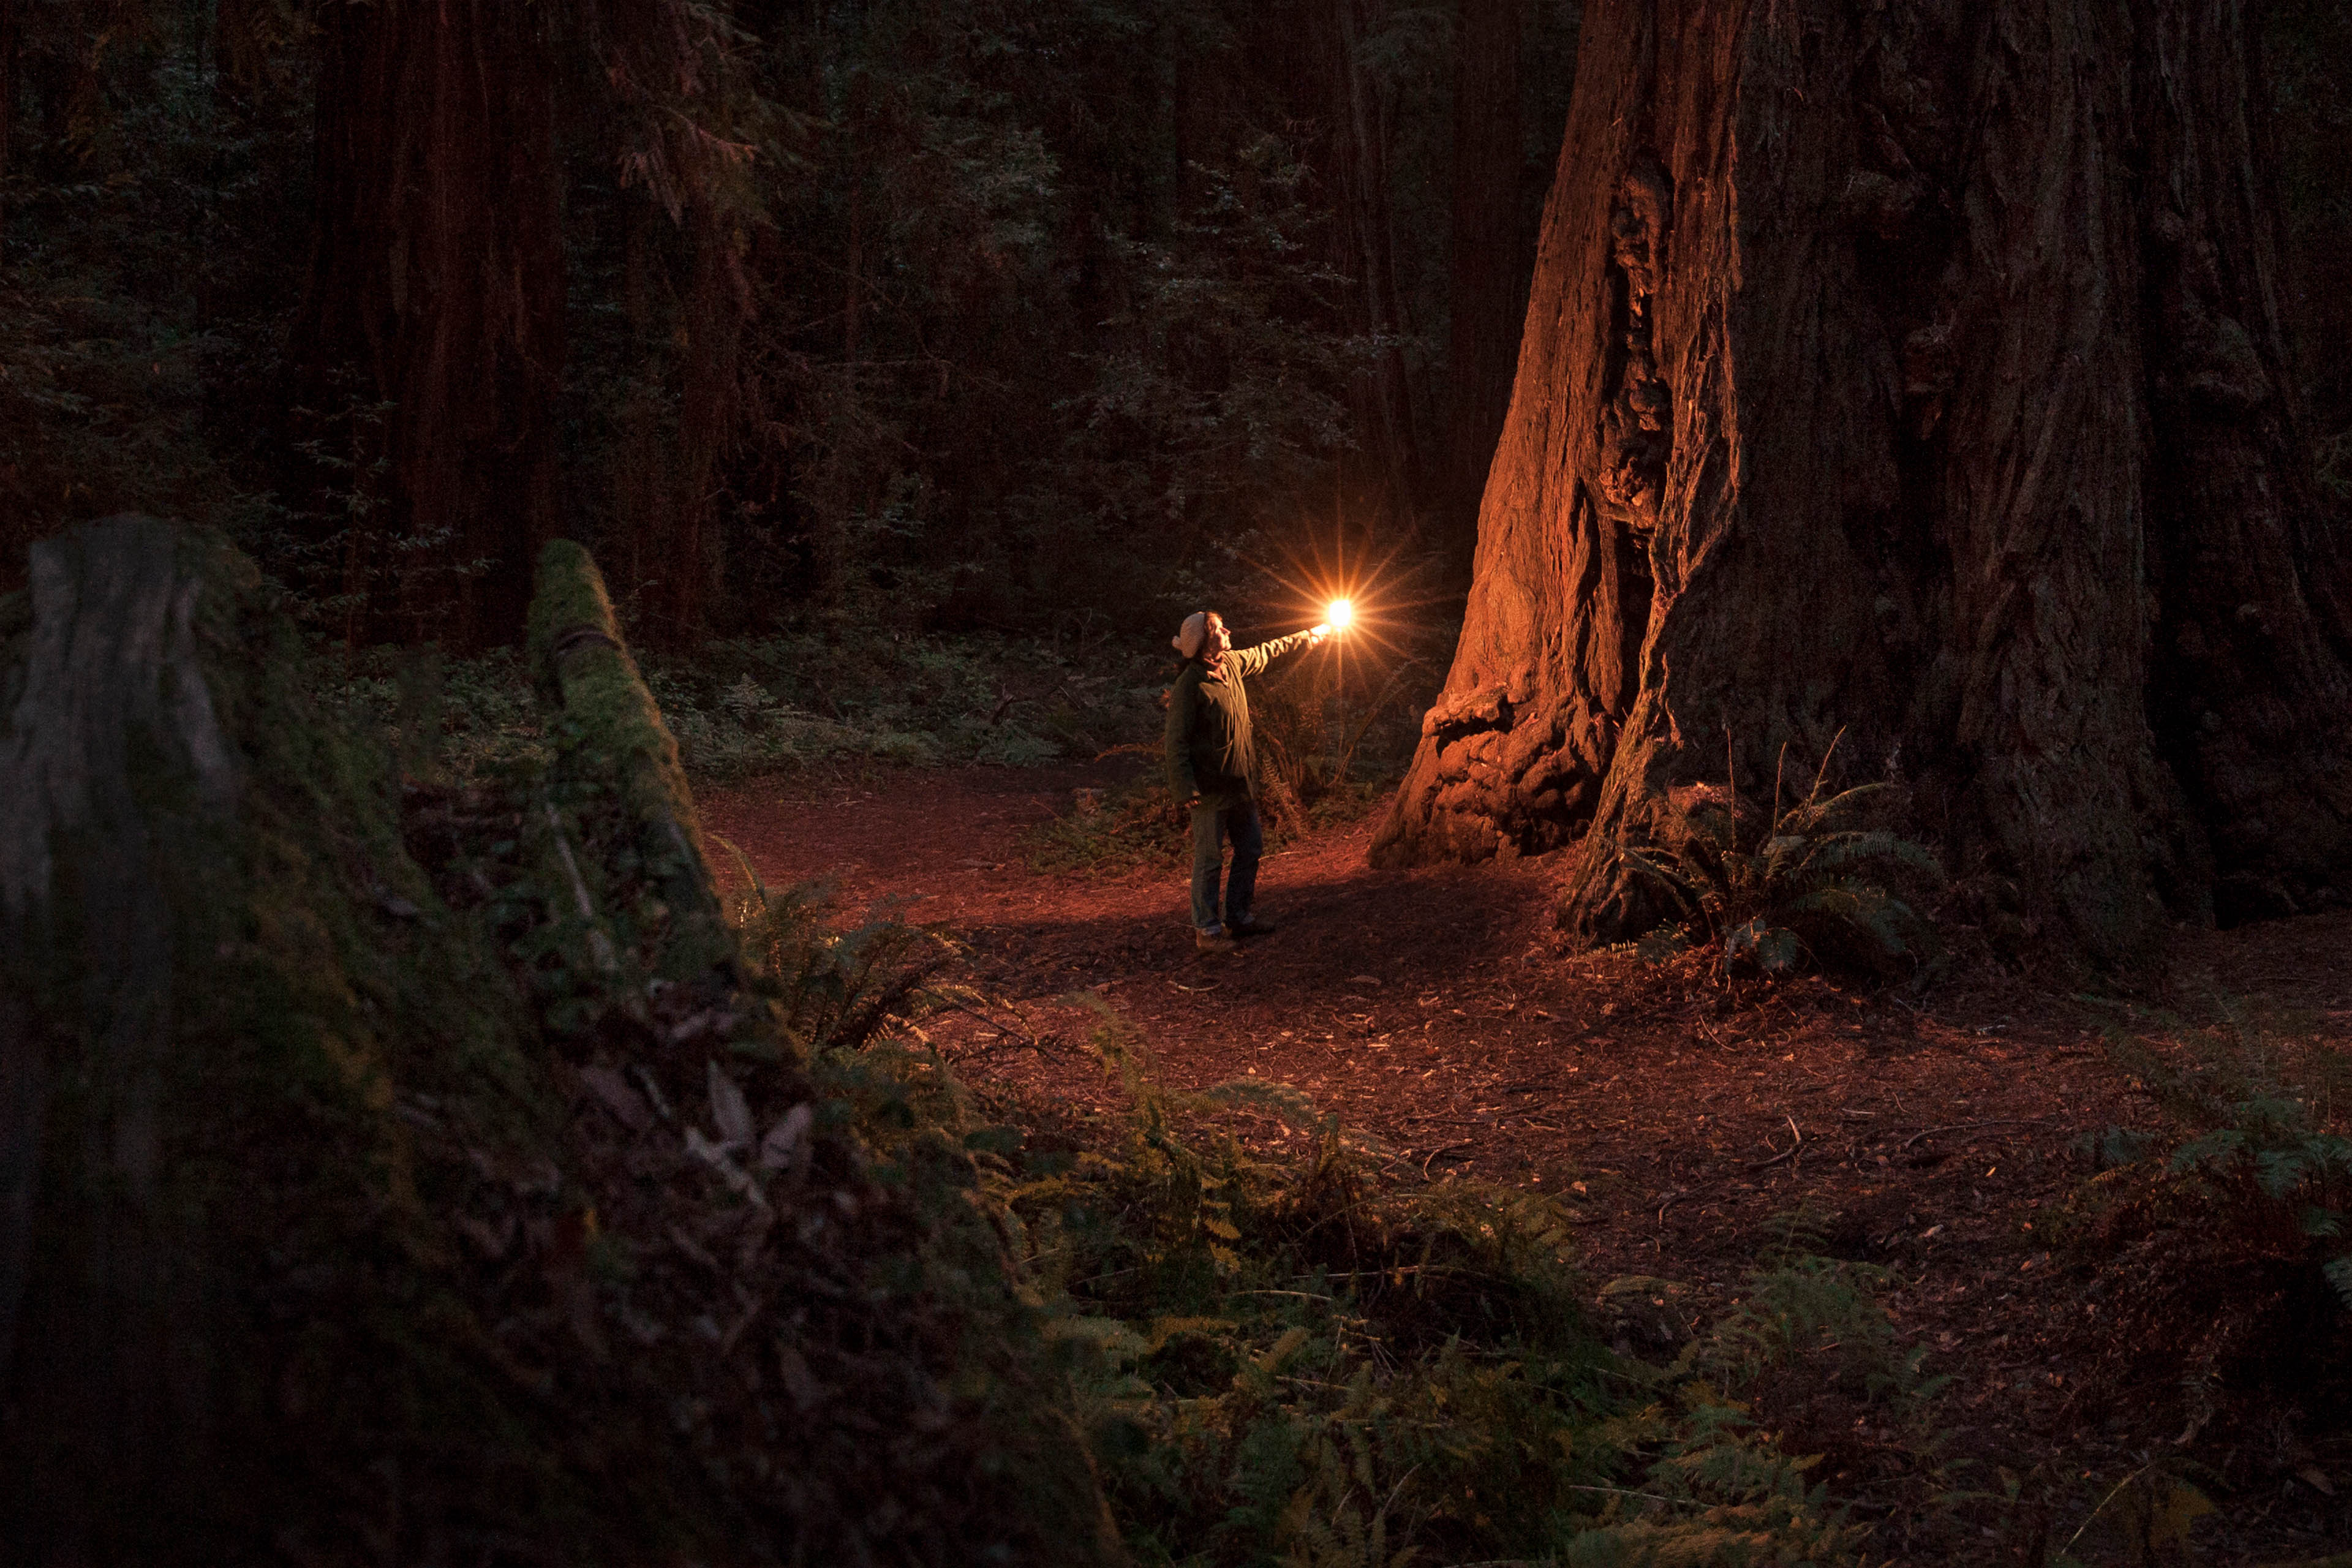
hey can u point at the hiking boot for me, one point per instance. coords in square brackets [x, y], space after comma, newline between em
[1214, 942]
[1249, 926]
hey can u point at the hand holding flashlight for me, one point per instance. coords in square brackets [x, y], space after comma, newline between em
[1338, 614]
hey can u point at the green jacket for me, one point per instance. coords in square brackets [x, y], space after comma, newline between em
[1210, 751]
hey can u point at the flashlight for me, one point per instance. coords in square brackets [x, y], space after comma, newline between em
[1336, 615]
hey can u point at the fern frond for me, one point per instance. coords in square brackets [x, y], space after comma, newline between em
[1288, 1104]
[1835, 851]
[1773, 948]
[1881, 928]
[1649, 865]
[1810, 816]
[2340, 1274]
[1782, 853]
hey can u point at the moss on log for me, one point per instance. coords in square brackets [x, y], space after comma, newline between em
[610, 727]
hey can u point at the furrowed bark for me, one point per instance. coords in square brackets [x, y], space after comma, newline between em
[1867, 389]
[11, 31]
[2252, 579]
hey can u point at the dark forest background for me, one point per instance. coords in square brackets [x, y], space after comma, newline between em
[931, 315]
[918, 315]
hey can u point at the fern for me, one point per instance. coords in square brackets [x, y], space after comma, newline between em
[2340, 1274]
[1301, 1363]
[1334, 1520]
[1802, 883]
[2254, 1159]
[836, 991]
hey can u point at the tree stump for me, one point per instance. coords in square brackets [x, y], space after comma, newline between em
[116, 779]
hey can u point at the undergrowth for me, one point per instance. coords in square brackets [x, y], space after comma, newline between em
[639, 1259]
[1300, 1361]
[1809, 880]
[761, 704]
[1138, 826]
[2219, 1250]
[1130, 826]
[1331, 744]
[1331, 736]
[776, 704]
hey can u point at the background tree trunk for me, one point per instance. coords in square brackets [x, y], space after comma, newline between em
[2254, 636]
[11, 32]
[1380, 482]
[436, 289]
[1918, 375]
[1489, 266]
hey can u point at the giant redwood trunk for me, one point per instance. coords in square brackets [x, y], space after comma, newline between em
[1914, 372]
[434, 317]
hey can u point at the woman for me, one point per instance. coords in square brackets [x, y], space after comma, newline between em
[1212, 768]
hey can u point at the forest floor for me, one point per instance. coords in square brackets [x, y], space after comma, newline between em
[1938, 1137]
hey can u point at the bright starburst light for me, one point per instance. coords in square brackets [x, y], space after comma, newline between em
[1368, 596]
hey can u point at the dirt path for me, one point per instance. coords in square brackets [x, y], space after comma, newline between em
[1428, 1007]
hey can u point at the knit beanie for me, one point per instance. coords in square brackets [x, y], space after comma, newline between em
[1190, 637]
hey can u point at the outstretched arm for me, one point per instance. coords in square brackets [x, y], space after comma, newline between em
[1249, 661]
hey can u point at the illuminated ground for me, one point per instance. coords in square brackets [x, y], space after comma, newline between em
[1429, 1008]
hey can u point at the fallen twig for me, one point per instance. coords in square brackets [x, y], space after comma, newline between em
[1962, 1126]
[1674, 1195]
[1789, 1153]
[1448, 1148]
[1022, 1035]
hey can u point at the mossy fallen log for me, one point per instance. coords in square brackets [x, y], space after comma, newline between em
[610, 727]
[355, 1205]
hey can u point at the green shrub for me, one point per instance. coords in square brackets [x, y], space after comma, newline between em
[2257, 1158]
[1329, 735]
[1801, 1308]
[834, 991]
[773, 705]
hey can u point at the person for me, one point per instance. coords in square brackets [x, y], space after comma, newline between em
[1211, 768]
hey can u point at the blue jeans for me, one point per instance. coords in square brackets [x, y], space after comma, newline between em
[1211, 825]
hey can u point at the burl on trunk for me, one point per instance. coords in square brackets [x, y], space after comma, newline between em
[1914, 372]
